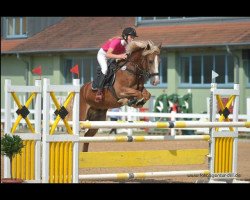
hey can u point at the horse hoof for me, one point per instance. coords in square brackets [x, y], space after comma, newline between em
[123, 101]
[140, 102]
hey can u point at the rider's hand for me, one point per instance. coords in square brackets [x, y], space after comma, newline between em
[124, 56]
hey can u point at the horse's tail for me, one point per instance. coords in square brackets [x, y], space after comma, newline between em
[83, 101]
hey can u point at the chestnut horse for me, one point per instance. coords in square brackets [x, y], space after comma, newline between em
[142, 63]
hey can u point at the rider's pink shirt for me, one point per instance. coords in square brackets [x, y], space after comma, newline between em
[114, 44]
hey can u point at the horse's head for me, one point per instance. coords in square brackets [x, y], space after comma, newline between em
[152, 59]
[148, 57]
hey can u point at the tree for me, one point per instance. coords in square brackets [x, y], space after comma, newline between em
[10, 146]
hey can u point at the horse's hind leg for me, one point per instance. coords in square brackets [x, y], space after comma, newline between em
[89, 133]
[93, 115]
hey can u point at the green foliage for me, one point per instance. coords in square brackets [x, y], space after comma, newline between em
[11, 145]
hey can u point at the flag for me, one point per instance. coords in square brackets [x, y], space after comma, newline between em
[37, 70]
[75, 69]
[214, 74]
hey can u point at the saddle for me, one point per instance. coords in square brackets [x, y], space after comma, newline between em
[110, 77]
[109, 81]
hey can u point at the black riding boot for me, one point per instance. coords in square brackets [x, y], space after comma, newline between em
[101, 80]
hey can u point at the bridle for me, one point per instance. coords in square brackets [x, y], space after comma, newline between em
[138, 72]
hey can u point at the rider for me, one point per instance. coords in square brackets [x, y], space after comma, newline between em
[113, 48]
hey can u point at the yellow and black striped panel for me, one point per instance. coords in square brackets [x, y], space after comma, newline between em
[60, 162]
[223, 158]
[23, 166]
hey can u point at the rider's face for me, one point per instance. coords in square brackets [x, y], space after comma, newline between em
[130, 38]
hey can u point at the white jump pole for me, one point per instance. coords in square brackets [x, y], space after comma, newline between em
[176, 124]
[141, 175]
[143, 138]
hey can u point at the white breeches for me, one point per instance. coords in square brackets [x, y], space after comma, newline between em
[102, 60]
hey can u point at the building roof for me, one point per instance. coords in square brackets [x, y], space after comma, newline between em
[8, 45]
[88, 33]
[208, 34]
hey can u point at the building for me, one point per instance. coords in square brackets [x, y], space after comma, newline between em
[191, 48]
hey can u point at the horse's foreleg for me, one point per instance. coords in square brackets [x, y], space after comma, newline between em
[130, 92]
[141, 97]
[140, 102]
[146, 95]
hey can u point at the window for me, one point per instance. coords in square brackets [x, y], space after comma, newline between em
[185, 69]
[68, 64]
[145, 20]
[220, 68]
[246, 64]
[163, 68]
[16, 27]
[141, 19]
[197, 69]
[87, 69]
[248, 73]
[230, 69]
[207, 68]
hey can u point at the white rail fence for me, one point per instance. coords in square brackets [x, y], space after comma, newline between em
[131, 114]
[23, 123]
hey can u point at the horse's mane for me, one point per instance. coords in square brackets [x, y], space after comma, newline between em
[137, 45]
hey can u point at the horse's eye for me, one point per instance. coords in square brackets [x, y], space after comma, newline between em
[151, 62]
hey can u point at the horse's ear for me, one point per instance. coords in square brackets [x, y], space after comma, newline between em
[148, 47]
[159, 46]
